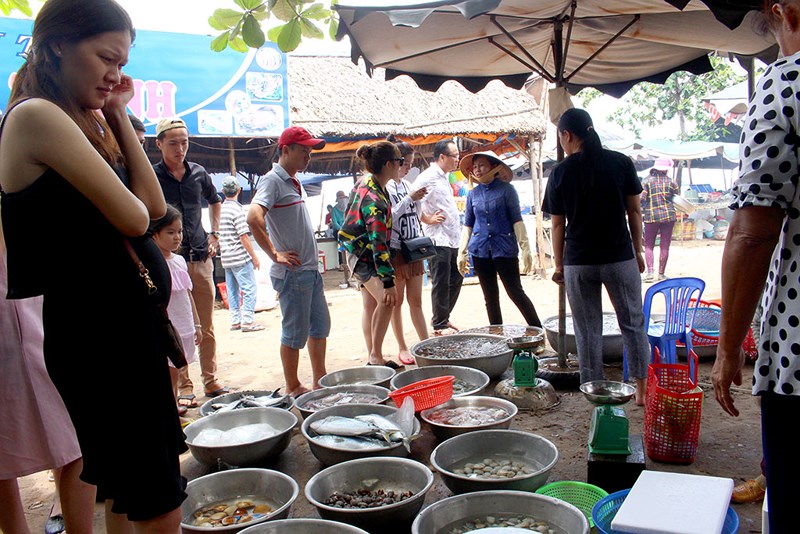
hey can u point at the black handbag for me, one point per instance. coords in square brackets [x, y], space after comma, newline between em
[167, 339]
[417, 249]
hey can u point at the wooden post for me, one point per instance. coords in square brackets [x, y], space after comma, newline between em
[231, 156]
[535, 162]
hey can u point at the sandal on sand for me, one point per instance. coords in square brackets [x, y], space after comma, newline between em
[748, 491]
[445, 332]
[237, 326]
[406, 358]
[390, 364]
[217, 392]
[187, 401]
[253, 327]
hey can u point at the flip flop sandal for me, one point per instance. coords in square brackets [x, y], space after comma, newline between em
[217, 392]
[237, 326]
[192, 403]
[390, 364]
[255, 327]
[182, 410]
[406, 360]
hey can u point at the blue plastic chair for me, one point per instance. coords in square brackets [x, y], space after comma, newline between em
[679, 295]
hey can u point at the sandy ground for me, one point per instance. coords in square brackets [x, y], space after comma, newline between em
[728, 447]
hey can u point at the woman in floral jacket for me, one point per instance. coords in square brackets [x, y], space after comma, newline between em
[365, 235]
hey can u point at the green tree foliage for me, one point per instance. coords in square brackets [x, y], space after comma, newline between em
[650, 105]
[7, 6]
[243, 27]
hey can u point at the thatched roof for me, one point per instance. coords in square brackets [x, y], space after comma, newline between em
[335, 99]
[340, 101]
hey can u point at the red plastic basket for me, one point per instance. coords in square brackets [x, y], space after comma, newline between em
[749, 346]
[673, 409]
[705, 328]
[426, 393]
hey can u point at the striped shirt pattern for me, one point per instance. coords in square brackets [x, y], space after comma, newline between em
[232, 224]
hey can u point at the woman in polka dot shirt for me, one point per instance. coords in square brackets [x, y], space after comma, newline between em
[763, 246]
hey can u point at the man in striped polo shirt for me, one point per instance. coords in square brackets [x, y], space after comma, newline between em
[238, 259]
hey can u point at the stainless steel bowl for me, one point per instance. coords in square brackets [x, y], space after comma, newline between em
[246, 454]
[398, 474]
[526, 447]
[467, 374]
[334, 455]
[612, 337]
[303, 526]
[378, 375]
[448, 431]
[379, 391]
[492, 364]
[482, 503]
[607, 392]
[206, 409]
[271, 486]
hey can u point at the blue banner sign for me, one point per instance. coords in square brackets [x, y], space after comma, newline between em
[216, 93]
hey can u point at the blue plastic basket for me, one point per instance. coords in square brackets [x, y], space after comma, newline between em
[606, 509]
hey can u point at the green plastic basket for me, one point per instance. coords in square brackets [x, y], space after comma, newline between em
[579, 494]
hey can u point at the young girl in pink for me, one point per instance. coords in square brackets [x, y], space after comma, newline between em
[168, 233]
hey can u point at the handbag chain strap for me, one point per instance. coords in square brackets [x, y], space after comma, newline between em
[144, 273]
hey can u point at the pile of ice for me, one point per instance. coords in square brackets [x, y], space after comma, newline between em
[213, 437]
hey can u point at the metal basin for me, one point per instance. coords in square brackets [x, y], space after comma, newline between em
[434, 518]
[448, 431]
[379, 391]
[271, 486]
[513, 445]
[378, 375]
[206, 408]
[467, 374]
[493, 364]
[607, 392]
[612, 338]
[334, 455]
[398, 474]
[303, 526]
[245, 454]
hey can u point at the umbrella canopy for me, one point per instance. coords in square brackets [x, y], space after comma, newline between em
[608, 44]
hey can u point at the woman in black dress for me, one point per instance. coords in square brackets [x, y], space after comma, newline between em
[75, 187]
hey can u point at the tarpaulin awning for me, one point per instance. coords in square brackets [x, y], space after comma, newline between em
[608, 44]
[680, 150]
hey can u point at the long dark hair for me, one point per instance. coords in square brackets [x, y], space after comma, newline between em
[579, 123]
[68, 21]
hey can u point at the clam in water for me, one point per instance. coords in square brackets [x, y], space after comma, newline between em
[497, 468]
[525, 522]
[462, 386]
[366, 498]
[467, 416]
[231, 512]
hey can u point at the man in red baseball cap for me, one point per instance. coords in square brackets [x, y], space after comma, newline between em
[297, 135]
[278, 204]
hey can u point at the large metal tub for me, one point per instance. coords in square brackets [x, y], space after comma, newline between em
[379, 391]
[525, 446]
[303, 526]
[234, 484]
[467, 374]
[612, 337]
[379, 375]
[493, 364]
[247, 454]
[448, 431]
[398, 474]
[473, 505]
[334, 455]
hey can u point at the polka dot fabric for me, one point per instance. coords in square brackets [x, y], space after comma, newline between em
[768, 176]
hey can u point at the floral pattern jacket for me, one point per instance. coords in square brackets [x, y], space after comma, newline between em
[367, 227]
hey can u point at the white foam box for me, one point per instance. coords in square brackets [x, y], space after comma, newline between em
[674, 503]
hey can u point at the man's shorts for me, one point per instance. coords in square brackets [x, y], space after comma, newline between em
[303, 306]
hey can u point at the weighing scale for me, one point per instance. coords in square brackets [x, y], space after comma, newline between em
[523, 389]
[608, 433]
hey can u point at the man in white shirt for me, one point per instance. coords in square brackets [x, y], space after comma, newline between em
[442, 223]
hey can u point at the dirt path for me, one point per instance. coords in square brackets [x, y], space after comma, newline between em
[728, 447]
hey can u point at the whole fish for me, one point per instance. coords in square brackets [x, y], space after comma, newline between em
[388, 428]
[343, 426]
[347, 442]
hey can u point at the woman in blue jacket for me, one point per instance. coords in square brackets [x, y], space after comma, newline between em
[494, 234]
